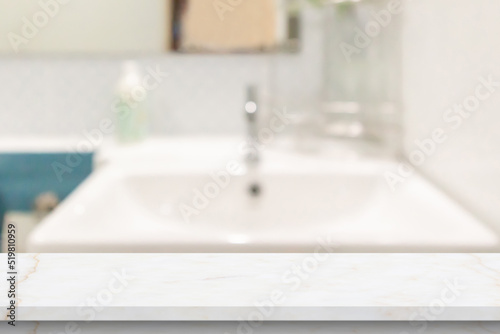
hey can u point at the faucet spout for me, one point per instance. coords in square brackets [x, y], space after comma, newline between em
[251, 111]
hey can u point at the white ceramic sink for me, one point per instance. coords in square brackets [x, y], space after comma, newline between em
[142, 203]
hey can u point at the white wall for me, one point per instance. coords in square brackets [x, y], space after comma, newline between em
[90, 26]
[448, 46]
[202, 94]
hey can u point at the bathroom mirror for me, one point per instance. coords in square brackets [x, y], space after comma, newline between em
[148, 27]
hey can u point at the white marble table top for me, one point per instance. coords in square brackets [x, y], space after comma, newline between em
[256, 287]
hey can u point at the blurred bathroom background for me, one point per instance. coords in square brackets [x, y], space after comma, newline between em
[374, 74]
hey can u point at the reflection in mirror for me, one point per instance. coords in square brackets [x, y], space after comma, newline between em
[235, 26]
[84, 27]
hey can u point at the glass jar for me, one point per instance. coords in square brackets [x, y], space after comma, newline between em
[362, 76]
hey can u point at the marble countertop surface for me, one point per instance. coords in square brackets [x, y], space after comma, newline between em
[255, 287]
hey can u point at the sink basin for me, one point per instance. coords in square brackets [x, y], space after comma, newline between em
[189, 201]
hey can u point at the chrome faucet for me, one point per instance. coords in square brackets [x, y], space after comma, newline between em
[251, 110]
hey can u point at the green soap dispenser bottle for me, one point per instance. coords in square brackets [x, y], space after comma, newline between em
[132, 118]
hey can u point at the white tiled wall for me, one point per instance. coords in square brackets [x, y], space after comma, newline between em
[448, 46]
[68, 96]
